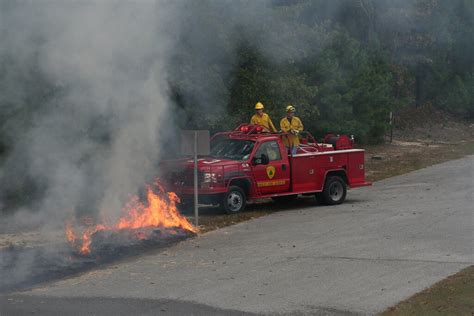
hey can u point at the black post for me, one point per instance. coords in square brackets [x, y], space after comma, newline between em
[391, 126]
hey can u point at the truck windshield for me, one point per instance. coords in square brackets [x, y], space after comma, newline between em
[235, 149]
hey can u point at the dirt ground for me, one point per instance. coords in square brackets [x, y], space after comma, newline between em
[30, 239]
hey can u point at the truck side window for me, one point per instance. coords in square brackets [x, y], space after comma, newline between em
[271, 149]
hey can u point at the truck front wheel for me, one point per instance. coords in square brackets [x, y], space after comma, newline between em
[335, 191]
[234, 200]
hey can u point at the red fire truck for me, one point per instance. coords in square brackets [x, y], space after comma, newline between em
[248, 164]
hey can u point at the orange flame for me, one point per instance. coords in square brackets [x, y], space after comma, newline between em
[157, 212]
[71, 237]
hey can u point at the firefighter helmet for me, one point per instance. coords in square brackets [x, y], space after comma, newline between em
[259, 106]
[290, 108]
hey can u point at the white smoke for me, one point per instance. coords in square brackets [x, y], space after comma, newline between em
[98, 140]
[108, 65]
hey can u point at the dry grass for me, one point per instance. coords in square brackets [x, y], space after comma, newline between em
[402, 156]
[451, 296]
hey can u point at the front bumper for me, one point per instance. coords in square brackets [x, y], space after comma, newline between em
[209, 199]
[202, 190]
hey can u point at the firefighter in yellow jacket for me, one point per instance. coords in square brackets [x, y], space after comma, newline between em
[262, 119]
[293, 126]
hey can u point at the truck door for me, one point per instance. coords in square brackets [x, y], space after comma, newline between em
[275, 176]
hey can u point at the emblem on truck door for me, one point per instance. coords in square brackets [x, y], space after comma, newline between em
[270, 172]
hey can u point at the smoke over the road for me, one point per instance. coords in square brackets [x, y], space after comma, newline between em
[84, 89]
[84, 94]
[99, 73]
[96, 141]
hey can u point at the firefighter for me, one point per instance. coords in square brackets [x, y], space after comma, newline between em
[262, 119]
[293, 126]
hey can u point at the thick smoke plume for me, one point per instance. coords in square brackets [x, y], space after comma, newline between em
[86, 107]
[87, 86]
[100, 73]
[97, 140]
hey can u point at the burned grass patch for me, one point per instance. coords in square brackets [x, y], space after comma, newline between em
[22, 268]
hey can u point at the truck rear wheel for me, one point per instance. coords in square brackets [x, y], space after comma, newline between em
[234, 200]
[335, 190]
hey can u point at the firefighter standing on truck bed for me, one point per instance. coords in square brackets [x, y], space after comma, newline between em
[293, 126]
[262, 119]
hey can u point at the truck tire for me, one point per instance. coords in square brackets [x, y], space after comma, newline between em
[335, 190]
[234, 200]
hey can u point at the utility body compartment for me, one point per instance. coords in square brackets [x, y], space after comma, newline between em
[309, 170]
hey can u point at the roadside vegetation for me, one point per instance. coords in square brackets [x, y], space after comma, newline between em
[451, 296]
[345, 65]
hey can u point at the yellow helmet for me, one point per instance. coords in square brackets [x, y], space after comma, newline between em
[290, 108]
[259, 106]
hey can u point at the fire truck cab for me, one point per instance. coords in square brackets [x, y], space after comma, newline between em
[248, 164]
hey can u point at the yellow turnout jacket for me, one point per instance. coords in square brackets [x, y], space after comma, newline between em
[264, 121]
[286, 126]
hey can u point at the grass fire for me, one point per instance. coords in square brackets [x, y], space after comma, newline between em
[140, 220]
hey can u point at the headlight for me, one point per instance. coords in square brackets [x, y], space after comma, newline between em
[210, 177]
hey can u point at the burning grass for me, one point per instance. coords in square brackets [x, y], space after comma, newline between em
[21, 268]
[139, 221]
[145, 225]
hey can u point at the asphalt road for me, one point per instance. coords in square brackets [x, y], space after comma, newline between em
[383, 245]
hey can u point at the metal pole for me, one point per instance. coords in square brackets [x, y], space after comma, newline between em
[196, 212]
[391, 126]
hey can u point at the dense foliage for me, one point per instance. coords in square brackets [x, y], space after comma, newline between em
[345, 65]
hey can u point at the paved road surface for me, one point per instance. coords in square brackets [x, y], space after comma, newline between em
[383, 245]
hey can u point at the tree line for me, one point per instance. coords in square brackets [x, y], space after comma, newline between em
[345, 65]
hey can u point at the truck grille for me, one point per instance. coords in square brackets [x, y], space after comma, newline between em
[184, 178]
